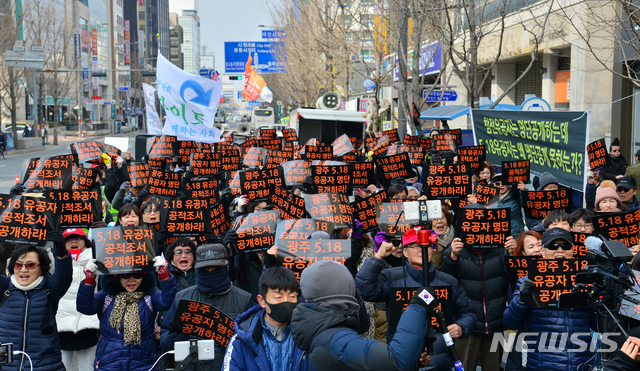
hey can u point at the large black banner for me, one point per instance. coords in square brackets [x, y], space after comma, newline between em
[553, 141]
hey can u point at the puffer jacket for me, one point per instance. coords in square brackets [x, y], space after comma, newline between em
[233, 303]
[184, 280]
[375, 285]
[247, 349]
[111, 353]
[68, 318]
[561, 323]
[27, 319]
[328, 336]
[512, 201]
[483, 275]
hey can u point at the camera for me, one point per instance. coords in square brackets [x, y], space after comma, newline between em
[6, 353]
[422, 211]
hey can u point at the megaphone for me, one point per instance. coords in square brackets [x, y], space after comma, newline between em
[329, 101]
[243, 129]
[220, 127]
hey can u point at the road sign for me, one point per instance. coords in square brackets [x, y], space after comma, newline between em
[272, 34]
[447, 95]
[123, 88]
[369, 85]
[207, 73]
[264, 61]
[240, 95]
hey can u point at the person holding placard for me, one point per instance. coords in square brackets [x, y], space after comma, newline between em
[510, 197]
[127, 307]
[375, 284]
[29, 303]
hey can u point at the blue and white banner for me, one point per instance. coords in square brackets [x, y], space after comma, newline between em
[154, 125]
[190, 102]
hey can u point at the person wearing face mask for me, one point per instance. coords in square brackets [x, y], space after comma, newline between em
[127, 306]
[263, 340]
[213, 286]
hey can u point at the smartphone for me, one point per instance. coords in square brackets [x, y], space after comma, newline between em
[6, 353]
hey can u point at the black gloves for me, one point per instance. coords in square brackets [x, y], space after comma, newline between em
[143, 194]
[307, 185]
[425, 297]
[226, 197]
[17, 189]
[230, 238]
[526, 289]
[162, 237]
[59, 247]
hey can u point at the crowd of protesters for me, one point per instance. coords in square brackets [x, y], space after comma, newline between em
[59, 313]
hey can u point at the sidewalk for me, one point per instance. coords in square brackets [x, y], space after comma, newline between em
[66, 141]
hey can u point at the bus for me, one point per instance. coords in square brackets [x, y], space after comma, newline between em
[262, 117]
[220, 117]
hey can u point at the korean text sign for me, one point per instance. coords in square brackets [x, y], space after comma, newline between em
[78, 209]
[365, 210]
[538, 204]
[391, 218]
[484, 228]
[256, 231]
[302, 229]
[330, 207]
[618, 226]
[124, 249]
[184, 217]
[290, 205]
[448, 181]
[299, 254]
[203, 321]
[26, 220]
[401, 296]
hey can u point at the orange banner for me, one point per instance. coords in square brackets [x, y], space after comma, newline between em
[253, 83]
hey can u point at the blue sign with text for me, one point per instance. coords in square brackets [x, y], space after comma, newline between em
[447, 95]
[272, 34]
[236, 55]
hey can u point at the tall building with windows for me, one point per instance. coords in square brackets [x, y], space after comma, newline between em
[176, 40]
[190, 23]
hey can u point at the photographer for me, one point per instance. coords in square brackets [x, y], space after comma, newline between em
[561, 351]
[626, 358]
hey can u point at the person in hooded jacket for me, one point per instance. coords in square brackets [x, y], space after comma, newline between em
[325, 326]
[78, 332]
[213, 286]
[126, 306]
[29, 303]
[263, 341]
[376, 284]
[618, 163]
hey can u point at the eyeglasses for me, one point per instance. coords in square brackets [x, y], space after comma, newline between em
[74, 238]
[151, 211]
[137, 276]
[563, 245]
[498, 183]
[396, 243]
[621, 189]
[30, 266]
[583, 226]
[185, 252]
[615, 150]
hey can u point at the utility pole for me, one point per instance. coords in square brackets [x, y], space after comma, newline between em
[402, 55]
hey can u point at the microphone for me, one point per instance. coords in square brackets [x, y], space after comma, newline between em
[593, 244]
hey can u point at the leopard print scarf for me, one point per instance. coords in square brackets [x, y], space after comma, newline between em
[125, 306]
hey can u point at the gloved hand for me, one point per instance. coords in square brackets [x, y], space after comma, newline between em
[526, 290]
[397, 180]
[188, 176]
[162, 267]
[17, 189]
[243, 201]
[180, 195]
[226, 197]
[119, 162]
[379, 239]
[307, 185]
[211, 237]
[231, 238]
[143, 194]
[426, 298]
[89, 272]
[124, 186]
[358, 229]
[162, 237]
[60, 249]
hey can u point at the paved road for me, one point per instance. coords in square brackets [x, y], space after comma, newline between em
[12, 166]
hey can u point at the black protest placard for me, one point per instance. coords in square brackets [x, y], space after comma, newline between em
[518, 266]
[538, 204]
[416, 154]
[52, 172]
[417, 141]
[201, 189]
[26, 220]
[331, 179]
[185, 148]
[257, 184]
[227, 137]
[184, 217]
[274, 144]
[256, 231]
[318, 152]
[484, 228]
[598, 156]
[474, 156]
[290, 135]
[330, 207]
[203, 321]
[288, 147]
[392, 135]
[232, 181]
[85, 177]
[88, 151]
[456, 134]
[579, 249]
[302, 229]
[290, 205]
[124, 249]
[158, 163]
[363, 175]
[365, 210]
[342, 146]
[250, 142]
[253, 156]
[138, 174]
[516, 171]
[295, 172]
[275, 158]
[205, 164]
[552, 277]
[350, 158]
[356, 143]
[447, 181]
[268, 133]
[219, 217]
[395, 166]
[164, 183]
[164, 146]
[78, 209]
[391, 218]
[486, 194]
[401, 296]
[618, 226]
[230, 158]
[381, 146]
[299, 254]
[554, 141]
[444, 143]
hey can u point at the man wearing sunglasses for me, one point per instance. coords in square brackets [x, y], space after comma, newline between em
[561, 327]
[627, 189]
[618, 163]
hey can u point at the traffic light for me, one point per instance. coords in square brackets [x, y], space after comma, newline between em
[238, 78]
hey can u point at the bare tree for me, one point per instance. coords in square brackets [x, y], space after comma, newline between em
[11, 86]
